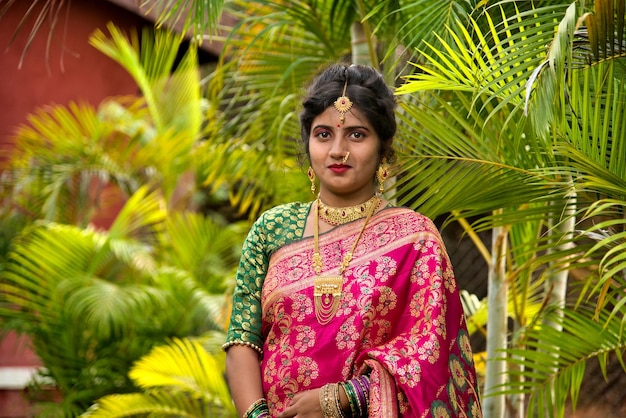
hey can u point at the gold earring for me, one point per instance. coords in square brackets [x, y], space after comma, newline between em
[381, 176]
[311, 175]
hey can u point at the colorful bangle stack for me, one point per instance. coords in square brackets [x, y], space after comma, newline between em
[330, 401]
[259, 409]
[357, 390]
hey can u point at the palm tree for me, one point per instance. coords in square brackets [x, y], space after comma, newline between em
[94, 302]
[273, 50]
[538, 194]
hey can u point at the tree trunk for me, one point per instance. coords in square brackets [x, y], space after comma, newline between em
[360, 45]
[556, 284]
[494, 406]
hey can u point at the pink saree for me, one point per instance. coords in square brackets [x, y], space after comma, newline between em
[400, 320]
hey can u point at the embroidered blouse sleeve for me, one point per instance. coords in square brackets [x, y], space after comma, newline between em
[246, 315]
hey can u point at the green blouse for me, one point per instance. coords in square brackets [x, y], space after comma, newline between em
[275, 228]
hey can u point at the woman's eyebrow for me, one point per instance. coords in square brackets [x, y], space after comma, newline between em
[344, 127]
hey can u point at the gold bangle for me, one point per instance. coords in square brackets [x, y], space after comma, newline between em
[325, 403]
[338, 410]
[330, 402]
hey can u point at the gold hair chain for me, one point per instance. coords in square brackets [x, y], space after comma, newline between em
[343, 104]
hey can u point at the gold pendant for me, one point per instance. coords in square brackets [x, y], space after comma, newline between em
[327, 295]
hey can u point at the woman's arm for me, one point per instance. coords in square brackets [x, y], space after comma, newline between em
[243, 372]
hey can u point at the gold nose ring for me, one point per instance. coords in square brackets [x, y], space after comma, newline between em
[345, 157]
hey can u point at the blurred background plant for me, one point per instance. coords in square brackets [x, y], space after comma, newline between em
[511, 122]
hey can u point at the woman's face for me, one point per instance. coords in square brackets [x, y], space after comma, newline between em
[350, 182]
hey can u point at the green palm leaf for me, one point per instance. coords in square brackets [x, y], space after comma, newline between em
[56, 160]
[254, 140]
[460, 166]
[199, 18]
[171, 93]
[204, 247]
[94, 302]
[180, 379]
[558, 378]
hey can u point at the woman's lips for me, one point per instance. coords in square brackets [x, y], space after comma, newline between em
[339, 168]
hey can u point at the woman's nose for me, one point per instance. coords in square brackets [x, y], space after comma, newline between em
[338, 150]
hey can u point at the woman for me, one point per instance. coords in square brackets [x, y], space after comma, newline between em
[347, 305]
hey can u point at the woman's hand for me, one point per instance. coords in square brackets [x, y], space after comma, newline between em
[304, 405]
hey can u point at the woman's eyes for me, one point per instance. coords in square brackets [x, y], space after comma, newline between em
[356, 135]
[323, 134]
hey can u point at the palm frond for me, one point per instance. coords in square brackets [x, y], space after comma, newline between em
[148, 66]
[407, 32]
[50, 11]
[85, 296]
[577, 339]
[254, 137]
[498, 71]
[207, 249]
[199, 18]
[180, 379]
[599, 41]
[461, 164]
[171, 94]
[184, 365]
[154, 404]
[141, 217]
[54, 163]
[44, 255]
[68, 154]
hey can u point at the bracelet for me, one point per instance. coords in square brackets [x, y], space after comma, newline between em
[338, 408]
[362, 388]
[325, 404]
[353, 400]
[258, 409]
[357, 392]
[330, 402]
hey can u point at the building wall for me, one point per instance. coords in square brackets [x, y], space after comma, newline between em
[59, 68]
[56, 69]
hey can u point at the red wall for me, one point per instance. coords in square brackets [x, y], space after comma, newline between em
[68, 69]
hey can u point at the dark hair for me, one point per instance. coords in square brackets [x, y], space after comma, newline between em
[369, 94]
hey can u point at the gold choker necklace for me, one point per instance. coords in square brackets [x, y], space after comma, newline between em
[338, 216]
[327, 290]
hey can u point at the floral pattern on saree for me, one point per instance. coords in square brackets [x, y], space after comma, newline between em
[400, 319]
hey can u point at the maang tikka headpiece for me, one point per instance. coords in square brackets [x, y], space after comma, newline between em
[343, 103]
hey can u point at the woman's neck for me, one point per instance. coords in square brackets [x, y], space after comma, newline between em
[345, 200]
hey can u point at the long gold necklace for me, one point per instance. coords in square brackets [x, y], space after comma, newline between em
[339, 216]
[327, 290]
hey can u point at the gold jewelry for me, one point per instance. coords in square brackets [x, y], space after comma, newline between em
[311, 175]
[325, 404]
[338, 409]
[343, 103]
[381, 176]
[338, 216]
[345, 157]
[327, 290]
[329, 401]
